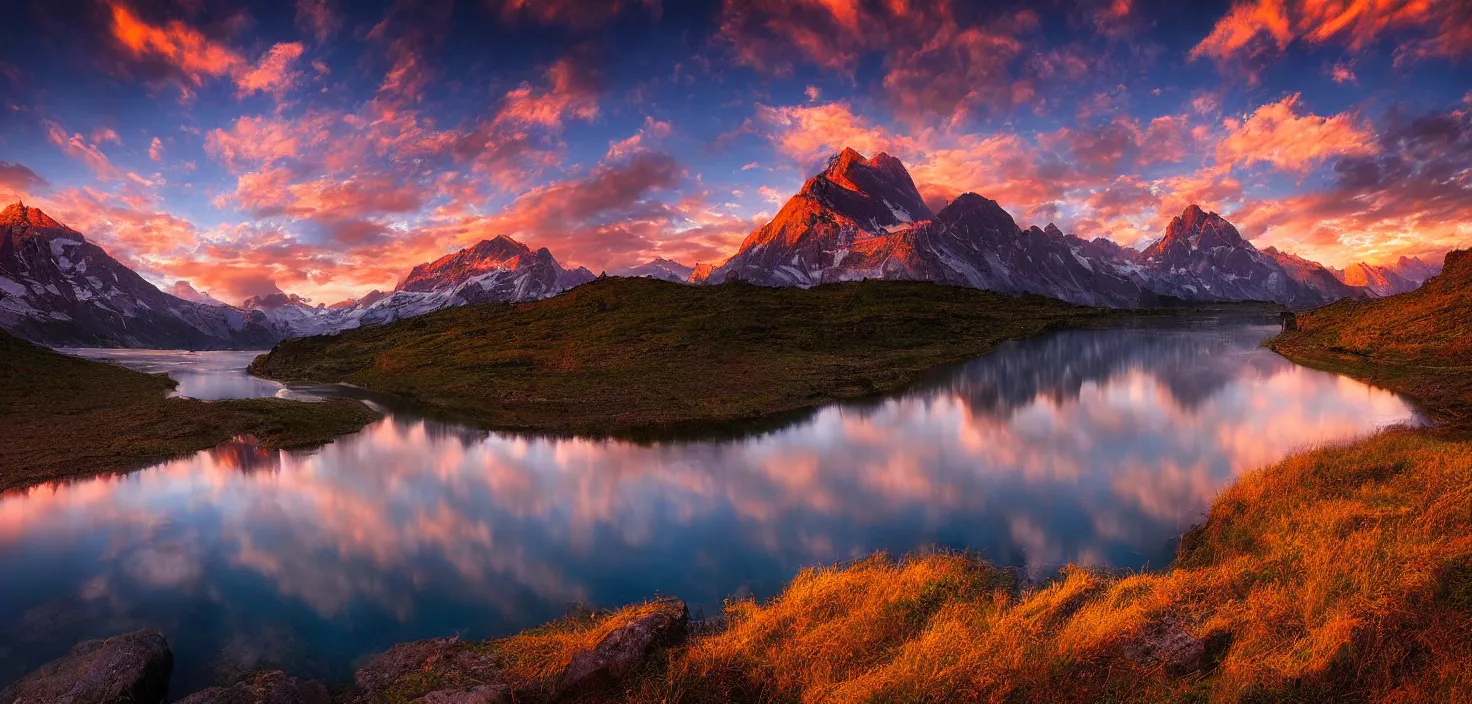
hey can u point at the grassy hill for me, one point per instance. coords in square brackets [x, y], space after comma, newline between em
[68, 417]
[1418, 343]
[631, 355]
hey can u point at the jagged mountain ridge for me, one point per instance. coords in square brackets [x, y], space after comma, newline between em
[660, 268]
[59, 289]
[1406, 274]
[864, 218]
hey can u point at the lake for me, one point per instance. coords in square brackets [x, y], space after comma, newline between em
[1096, 447]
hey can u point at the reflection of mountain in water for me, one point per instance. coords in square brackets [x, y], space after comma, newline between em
[1192, 363]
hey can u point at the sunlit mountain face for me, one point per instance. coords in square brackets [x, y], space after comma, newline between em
[325, 148]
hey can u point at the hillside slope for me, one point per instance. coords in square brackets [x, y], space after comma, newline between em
[630, 355]
[1418, 342]
[68, 417]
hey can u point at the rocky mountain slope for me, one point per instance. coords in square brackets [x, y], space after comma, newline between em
[58, 289]
[1404, 275]
[659, 268]
[863, 218]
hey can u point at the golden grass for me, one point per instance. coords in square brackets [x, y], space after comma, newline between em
[1340, 574]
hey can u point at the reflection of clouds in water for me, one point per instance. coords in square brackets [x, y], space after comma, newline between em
[1089, 446]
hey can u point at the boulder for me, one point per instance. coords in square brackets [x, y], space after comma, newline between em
[432, 671]
[132, 668]
[272, 687]
[1165, 643]
[623, 650]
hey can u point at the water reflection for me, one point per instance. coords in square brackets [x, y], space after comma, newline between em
[1094, 447]
[208, 376]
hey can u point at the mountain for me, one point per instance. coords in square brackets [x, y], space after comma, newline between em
[1380, 281]
[1387, 280]
[499, 269]
[1312, 274]
[182, 289]
[701, 273]
[1415, 269]
[863, 218]
[290, 315]
[660, 268]
[1202, 257]
[58, 289]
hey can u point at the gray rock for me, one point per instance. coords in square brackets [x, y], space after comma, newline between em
[1164, 642]
[132, 668]
[622, 652]
[272, 687]
[462, 674]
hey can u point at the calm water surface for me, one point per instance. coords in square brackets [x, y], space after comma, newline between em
[1096, 447]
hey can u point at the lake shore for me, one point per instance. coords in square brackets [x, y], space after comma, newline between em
[70, 418]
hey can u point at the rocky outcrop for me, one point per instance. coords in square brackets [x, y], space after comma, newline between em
[449, 670]
[439, 670]
[1165, 643]
[272, 687]
[132, 668]
[622, 651]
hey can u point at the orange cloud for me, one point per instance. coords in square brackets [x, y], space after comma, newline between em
[1254, 30]
[191, 57]
[79, 147]
[274, 74]
[1275, 134]
[572, 91]
[935, 64]
[1395, 199]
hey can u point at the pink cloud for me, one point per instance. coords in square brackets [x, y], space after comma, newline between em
[1253, 31]
[79, 147]
[1276, 134]
[191, 57]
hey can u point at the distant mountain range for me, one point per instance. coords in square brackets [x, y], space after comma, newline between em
[859, 218]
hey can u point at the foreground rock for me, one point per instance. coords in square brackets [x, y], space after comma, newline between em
[132, 668]
[433, 671]
[452, 671]
[621, 652]
[272, 687]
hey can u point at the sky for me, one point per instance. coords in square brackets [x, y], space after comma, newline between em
[325, 147]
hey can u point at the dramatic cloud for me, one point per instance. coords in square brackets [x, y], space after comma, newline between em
[1275, 134]
[937, 63]
[571, 91]
[79, 147]
[1256, 30]
[1411, 195]
[190, 57]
